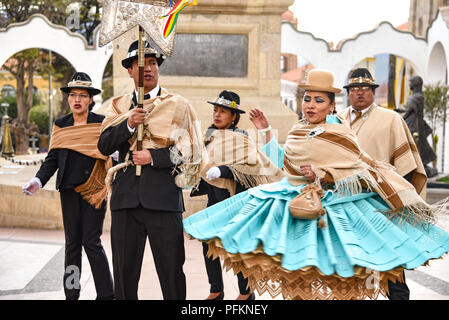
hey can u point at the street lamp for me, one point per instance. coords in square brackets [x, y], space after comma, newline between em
[5, 105]
[50, 97]
[7, 149]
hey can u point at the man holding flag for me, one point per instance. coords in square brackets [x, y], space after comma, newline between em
[150, 205]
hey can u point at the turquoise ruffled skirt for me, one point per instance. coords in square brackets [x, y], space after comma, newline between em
[357, 234]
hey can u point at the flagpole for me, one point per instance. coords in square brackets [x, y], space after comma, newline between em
[140, 91]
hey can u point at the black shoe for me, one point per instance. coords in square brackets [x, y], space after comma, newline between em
[250, 297]
[219, 297]
[74, 298]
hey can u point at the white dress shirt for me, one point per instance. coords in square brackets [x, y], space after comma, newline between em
[153, 94]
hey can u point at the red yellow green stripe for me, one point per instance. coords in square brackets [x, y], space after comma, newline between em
[173, 15]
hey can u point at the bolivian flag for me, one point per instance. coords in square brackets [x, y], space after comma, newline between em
[174, 13]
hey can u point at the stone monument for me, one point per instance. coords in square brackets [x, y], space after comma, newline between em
[414, 117]
[223, 44]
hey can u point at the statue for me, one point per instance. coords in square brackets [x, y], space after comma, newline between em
[7, 148]
[414, 117]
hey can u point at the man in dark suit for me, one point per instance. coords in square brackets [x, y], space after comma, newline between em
[83, 222]
[149, 205]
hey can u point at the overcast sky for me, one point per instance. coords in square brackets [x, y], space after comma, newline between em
[335, 20]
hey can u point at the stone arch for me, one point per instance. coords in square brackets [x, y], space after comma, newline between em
[437, 67]
[383, 39]
[438, 48]
[39, 32]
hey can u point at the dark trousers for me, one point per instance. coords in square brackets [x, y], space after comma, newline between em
[398, 290]
[215, 275]
[129, 231]
[83, 226]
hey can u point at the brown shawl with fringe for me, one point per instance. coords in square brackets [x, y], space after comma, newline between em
[171, 122]
[334, 152]
[384, 135]
[239, 152]
[84, 139]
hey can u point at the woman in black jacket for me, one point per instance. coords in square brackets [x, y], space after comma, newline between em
[75, 161]
[226, 115]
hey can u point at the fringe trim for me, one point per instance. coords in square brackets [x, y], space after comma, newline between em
[416, 211]
[249, 180]
[354, 184]
[419, 214]
[94, 189]
[265, 274]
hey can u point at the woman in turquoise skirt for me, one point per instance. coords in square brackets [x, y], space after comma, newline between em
[375, 224]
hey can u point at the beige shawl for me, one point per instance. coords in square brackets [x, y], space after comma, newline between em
[248, 164]
[171, 122]
[384, 135]
[333, 150]
[84, 139]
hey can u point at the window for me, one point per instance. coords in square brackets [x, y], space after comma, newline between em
[34, 90]
[8, 91]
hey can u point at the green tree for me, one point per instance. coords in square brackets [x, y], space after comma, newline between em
[12, 11]
[89, 18]
[436, 99]
[61, 72]
[23, 66]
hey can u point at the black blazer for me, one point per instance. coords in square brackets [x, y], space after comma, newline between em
[155, 189]
[73, 167]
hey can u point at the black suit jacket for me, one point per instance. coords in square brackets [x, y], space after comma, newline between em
[155, 189]
[73, 167]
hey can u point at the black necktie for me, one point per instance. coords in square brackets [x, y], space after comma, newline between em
[145, 97]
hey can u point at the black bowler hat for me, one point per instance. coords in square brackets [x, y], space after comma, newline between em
[133, 53]
[81, 80]
[361, 77]
[228, 99]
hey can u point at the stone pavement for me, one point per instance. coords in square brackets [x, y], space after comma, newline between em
[32, 264]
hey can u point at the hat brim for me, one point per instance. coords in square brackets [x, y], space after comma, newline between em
[230, 108]
[373, 85]
[93, 91]
[128, 62]
[319, 88]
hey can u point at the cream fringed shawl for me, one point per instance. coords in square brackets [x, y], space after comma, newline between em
[249, 166]
[334, 152]
[84, 139]
[171, 122]
[384, 135]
